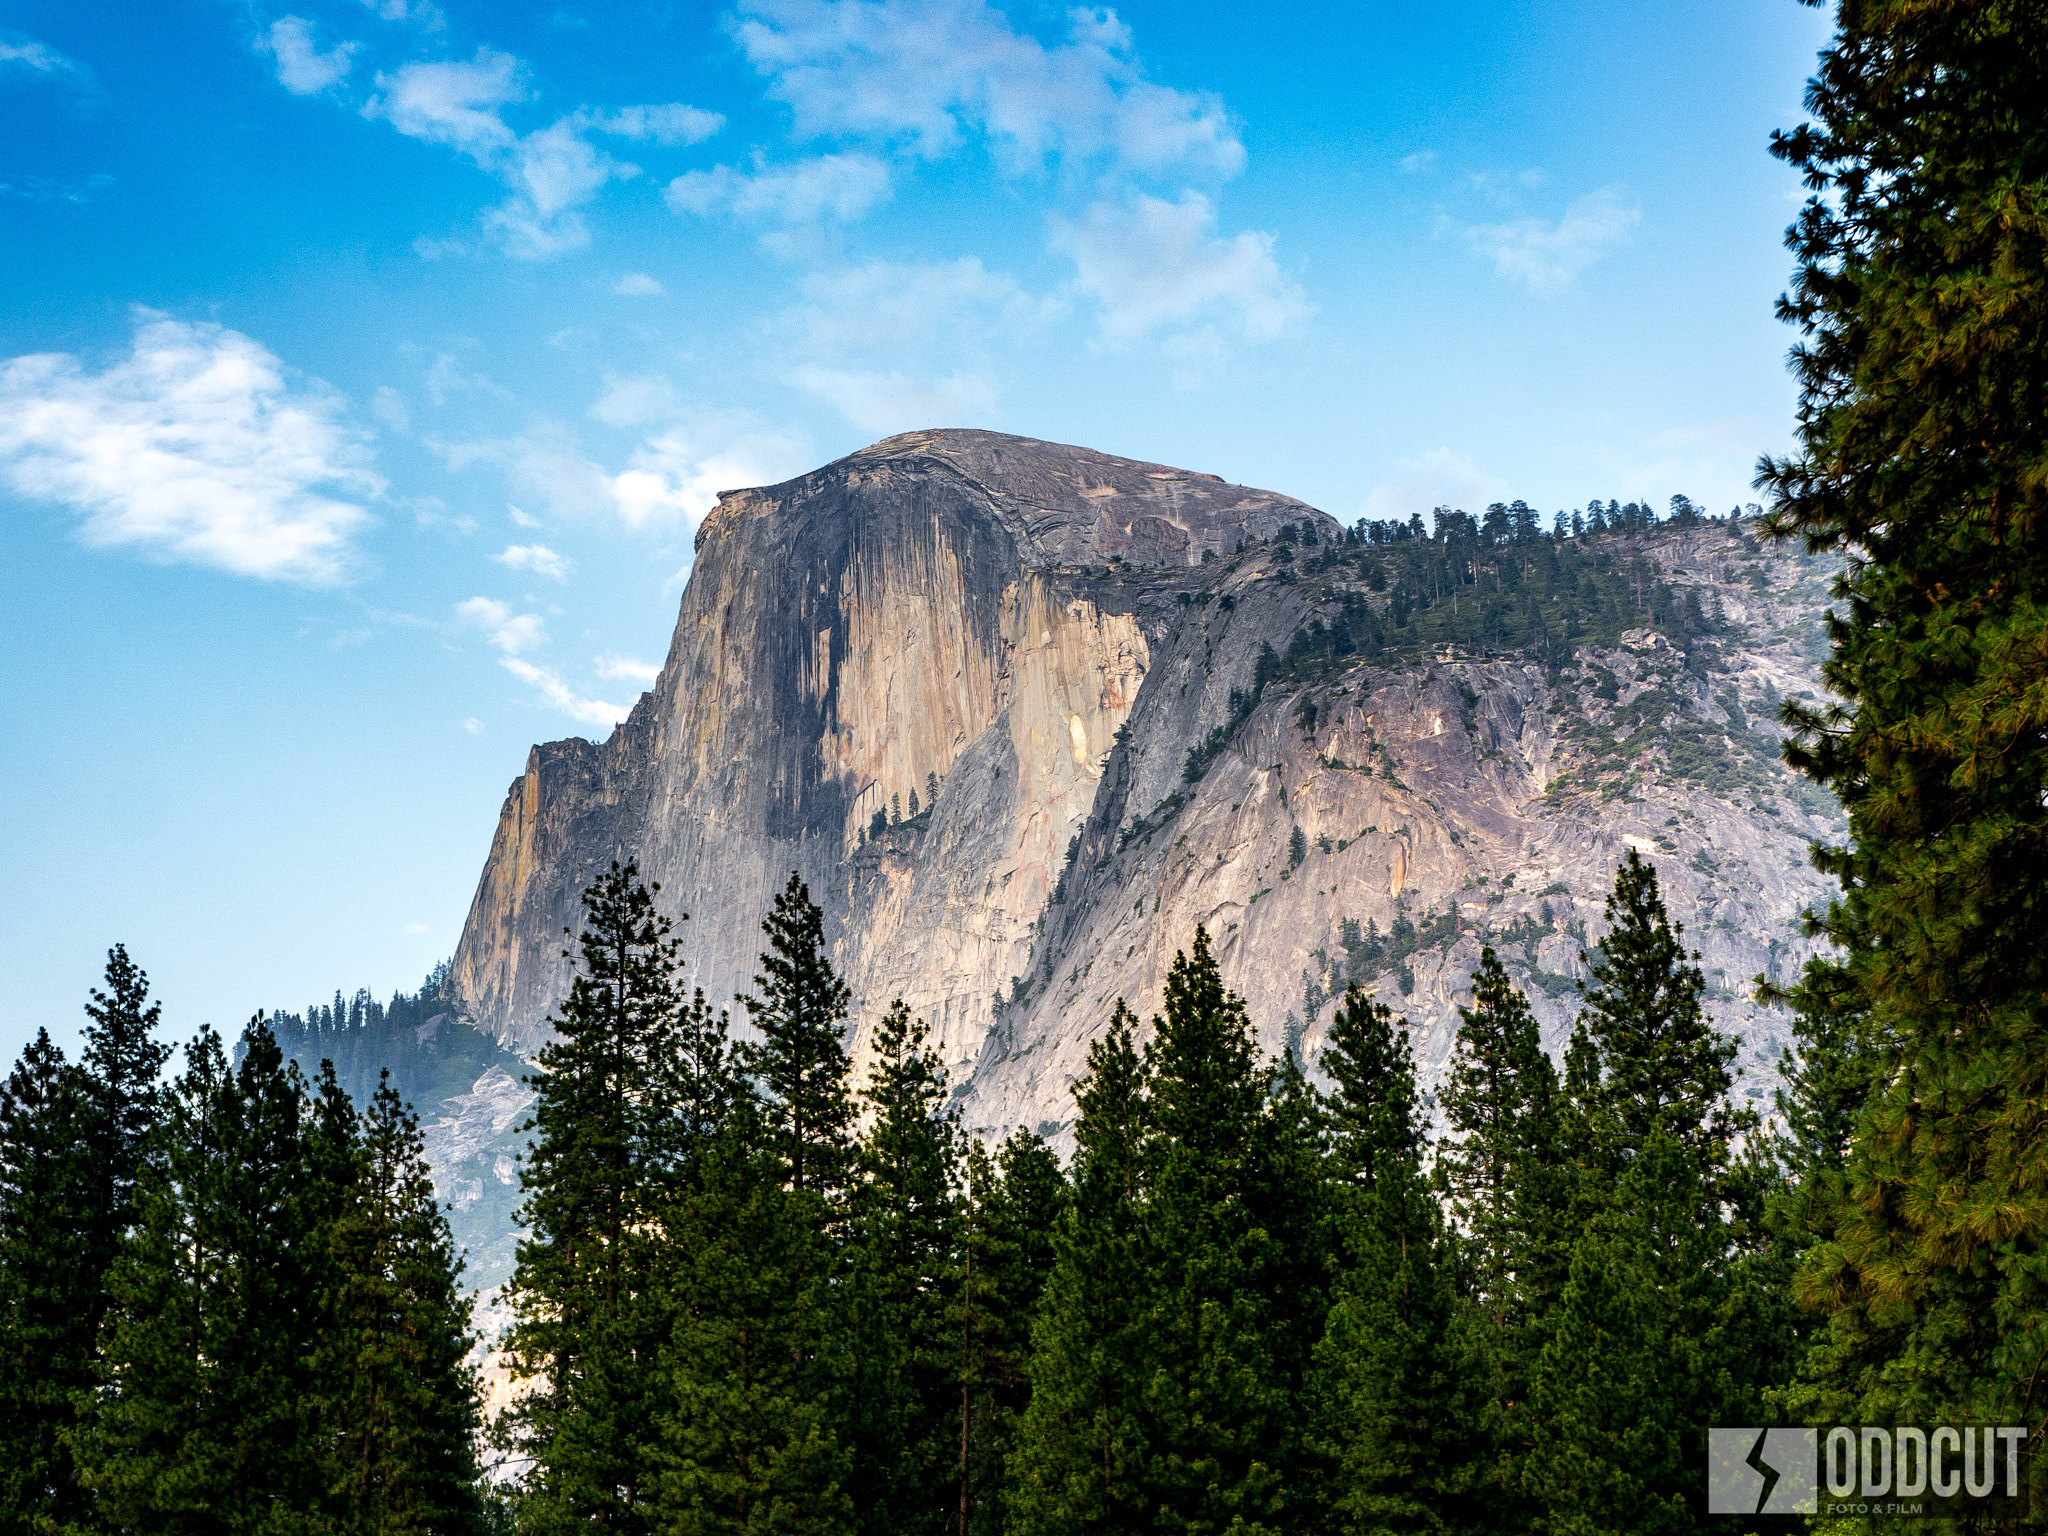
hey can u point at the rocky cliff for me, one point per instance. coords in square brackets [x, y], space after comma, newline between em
[1024, 715]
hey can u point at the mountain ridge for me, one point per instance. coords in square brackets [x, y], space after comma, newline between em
[1052, 658]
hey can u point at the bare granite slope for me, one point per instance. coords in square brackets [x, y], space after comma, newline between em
[1041, 663]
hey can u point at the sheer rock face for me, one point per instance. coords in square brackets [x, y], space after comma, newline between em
[1043, 633]
[918, 613]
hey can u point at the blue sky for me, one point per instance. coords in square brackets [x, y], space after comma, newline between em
[366, 365]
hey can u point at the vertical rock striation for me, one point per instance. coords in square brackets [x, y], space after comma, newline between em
[1008, 649]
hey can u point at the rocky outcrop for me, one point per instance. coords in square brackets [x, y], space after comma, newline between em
[1039, 665]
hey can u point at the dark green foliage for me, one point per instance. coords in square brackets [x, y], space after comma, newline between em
[1829, 1084]
[212, 1407]
[589, 1329]
[400, 1397]
[904, 1387]
[122, 1062]
[1288, 1192]
[1671, 1316]
[73, 1143]
[1489, 589]
[1504, 1172]
[417, 1037]
[1389, 1408]
[1370, 954]
[1622, 1390]
[1921, 296]
[1014, 1202]
[1251, 1311]
[1080, 1465]
[47, 1297]
[1500, 1162]
[751, 1439]
[281, 1339]
[1214, 1407]
[800, 1062]
[1372, 1105]
[1660, 1057]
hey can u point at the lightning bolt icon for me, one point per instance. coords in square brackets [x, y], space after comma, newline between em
[1769, 1473]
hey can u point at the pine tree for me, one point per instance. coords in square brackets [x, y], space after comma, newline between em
[47, 1296]
[1372, 1104]
[1922, 296]
[1392, 1415]
[1623, 1388]
[1672, 1315]
[904, 1389]
[1080, 1459]
[1014, 1201]
[1216, 1411]
[122, 1063]
[73, 1141]
[1659, 1057]
[588, 1329]
[1506, 1169]
[752, 1442]
[209, 1407]
[1497, 1162]
[800, 1061]
[1830, 1080]
[401, 1405]
[1288, 1191]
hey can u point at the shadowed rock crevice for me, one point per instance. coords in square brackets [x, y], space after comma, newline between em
[1011, 649]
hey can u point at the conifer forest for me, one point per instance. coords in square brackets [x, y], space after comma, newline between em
[758, 1292]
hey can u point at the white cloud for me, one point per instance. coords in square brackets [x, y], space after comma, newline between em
[41, 59]
[1546, 257]
[516, 634]
[563, 697]
[679, 472]
[1154, 265]
[555, 171]
[537, 558]
[841, 187]
[670, 124]
[1709, 461]
[473, 726]
[628, 669]
[453, 102]
[302, 68]
[513, 633]
[521, 518]
[893, 307]
[887, 402]
[892, 345]
[544, 465]
[420, 12]
[1418, 162]
[926, 74]
[38, 189]
[634, 400]
[674, 475]
[1442, 477]
[389, 406]
[638, 285]
[446, 378]
[196, 447]
[552, 172]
